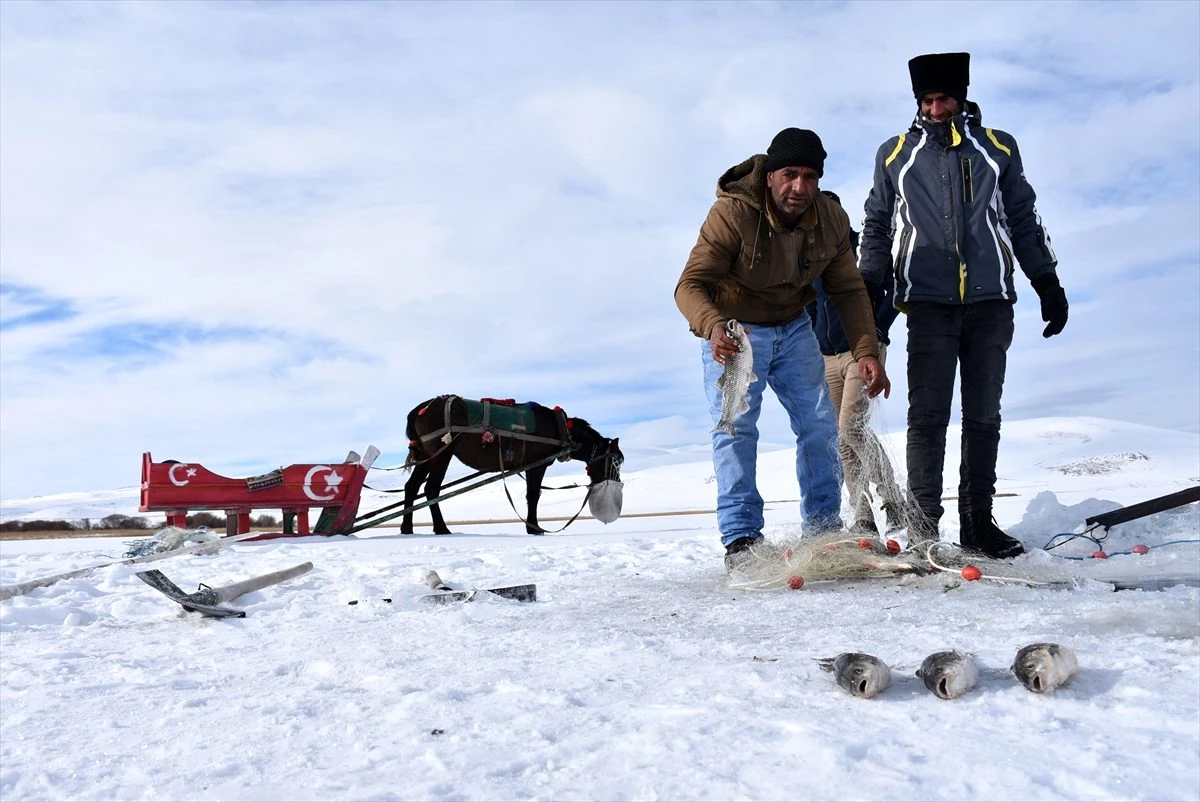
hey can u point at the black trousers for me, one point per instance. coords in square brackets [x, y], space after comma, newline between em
[940, 338]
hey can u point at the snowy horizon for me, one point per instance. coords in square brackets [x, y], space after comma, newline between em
[777, 481]
[251, 234]
[640, 672]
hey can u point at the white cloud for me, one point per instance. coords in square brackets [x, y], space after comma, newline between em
[330, 214]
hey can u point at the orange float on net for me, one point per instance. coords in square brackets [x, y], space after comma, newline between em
[971, 573]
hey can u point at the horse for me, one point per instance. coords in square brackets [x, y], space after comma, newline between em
[493, 435]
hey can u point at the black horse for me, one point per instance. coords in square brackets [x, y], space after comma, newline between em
[510, 437]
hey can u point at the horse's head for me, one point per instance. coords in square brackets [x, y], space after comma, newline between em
[602, 455]
[603, 458]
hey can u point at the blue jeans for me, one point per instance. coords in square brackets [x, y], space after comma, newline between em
[788, 359]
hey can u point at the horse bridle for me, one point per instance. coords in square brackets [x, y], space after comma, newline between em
[611, 468]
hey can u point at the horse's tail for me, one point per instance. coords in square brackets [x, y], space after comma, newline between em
[415, 451]
[413, 456]
[410, 431]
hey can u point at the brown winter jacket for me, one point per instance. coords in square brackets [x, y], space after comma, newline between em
[748, 267]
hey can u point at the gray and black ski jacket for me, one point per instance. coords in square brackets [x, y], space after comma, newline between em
[949, 210]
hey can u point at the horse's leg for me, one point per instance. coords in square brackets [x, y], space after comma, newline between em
[533, 491]
[412, 489]
[433, 488]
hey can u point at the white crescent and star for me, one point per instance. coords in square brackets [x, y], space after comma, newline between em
[332, 480]
[175, 480]
[331, 483]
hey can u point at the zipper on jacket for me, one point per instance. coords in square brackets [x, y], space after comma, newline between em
[955, 215]
[755, 257]
[968, 182]
[795, 256]
[953, 211]
[897, 266]
[829, 323]
[1008, 258]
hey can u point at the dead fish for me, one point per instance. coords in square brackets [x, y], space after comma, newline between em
[1042, 667]
[949, 674]
[735, 381]
[860, 674]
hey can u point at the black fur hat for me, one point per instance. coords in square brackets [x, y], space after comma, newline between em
[949, 73]
[796, 147]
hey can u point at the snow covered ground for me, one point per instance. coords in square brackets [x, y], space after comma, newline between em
[637, 673]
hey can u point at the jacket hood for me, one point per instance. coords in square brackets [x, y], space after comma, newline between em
[746, 181]
[970, 115]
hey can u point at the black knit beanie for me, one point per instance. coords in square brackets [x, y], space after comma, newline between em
[796, 147]
[948, 73]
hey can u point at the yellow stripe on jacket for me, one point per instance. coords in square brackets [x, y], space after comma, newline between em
[899, 144]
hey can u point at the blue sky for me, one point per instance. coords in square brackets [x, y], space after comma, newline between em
[251, 234]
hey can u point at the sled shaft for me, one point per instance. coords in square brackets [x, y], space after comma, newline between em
[231, 592]
[1144, 508]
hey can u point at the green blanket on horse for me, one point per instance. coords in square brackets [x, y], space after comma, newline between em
[500, 417]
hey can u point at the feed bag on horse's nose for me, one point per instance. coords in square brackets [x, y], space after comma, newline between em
[604, 500]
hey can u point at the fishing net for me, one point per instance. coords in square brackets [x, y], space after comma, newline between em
[889, 535]
[172, 537]
[898, 541]
[874, 492]
[793, 561]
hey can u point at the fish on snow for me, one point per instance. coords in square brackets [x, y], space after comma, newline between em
[1042, 667]
[858, 674]
[949, 674]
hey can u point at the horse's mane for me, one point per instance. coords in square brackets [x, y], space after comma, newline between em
[584, 423]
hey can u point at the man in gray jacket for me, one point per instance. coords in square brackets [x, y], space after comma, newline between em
[948, 218]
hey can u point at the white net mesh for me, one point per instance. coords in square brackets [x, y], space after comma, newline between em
[172, 537]
[889, 536]
[877, 495]
[793, 561]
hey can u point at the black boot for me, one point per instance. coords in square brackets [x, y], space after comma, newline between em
[738, 553]
[980, 533]
[895, 516]
[864, 526]
[923, 528]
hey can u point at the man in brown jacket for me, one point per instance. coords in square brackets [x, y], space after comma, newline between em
[767, 236]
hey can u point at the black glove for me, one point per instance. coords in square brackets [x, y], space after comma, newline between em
[876, 294]
[1054, 303]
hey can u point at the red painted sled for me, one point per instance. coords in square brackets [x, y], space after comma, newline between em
[335, 488]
